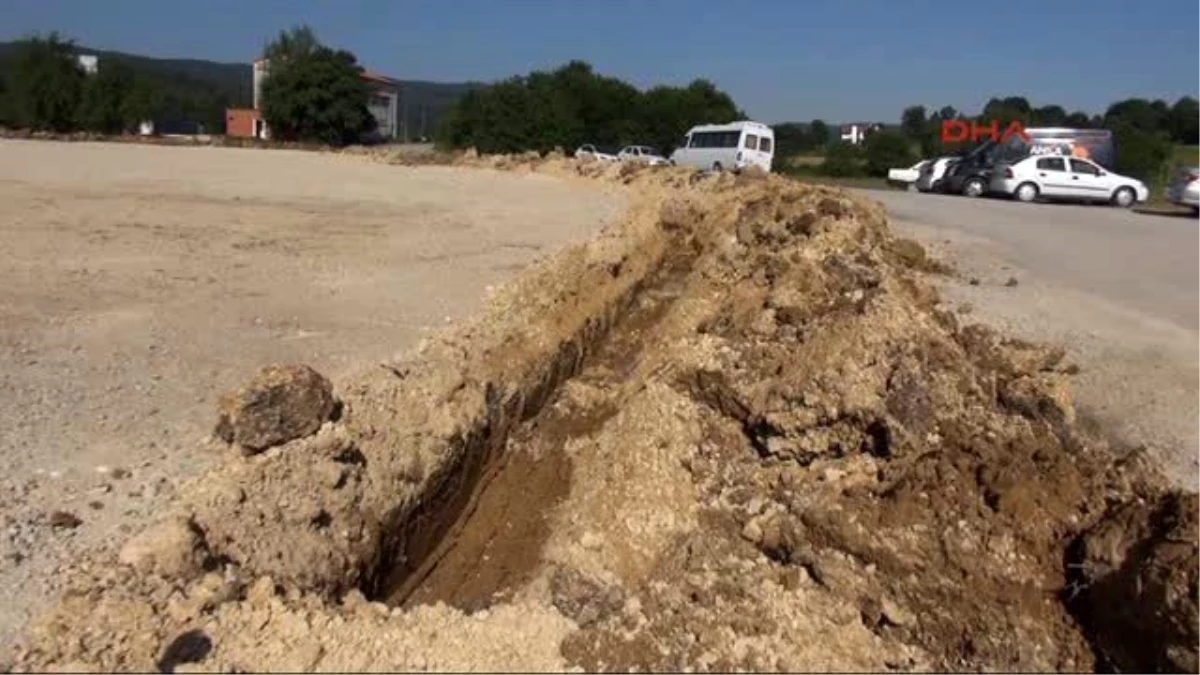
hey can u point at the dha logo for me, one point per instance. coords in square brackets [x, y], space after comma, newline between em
[957, 131]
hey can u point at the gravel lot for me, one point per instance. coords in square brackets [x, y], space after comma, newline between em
[138, 282]
[1120, 290]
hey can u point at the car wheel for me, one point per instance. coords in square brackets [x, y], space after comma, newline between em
[1124, 197]
[1026, 192]
[973, 187]
[717, 166]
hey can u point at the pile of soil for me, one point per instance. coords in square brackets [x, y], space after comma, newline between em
[736, 432]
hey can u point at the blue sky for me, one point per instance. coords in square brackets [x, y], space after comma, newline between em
[781, 59]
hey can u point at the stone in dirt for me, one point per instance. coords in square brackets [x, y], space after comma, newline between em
[172, 548]
[64, 520]
[282, 403]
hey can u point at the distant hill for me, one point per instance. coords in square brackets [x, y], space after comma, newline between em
[200, 90]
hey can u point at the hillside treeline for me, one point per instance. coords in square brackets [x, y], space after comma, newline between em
[43, 87]
[573, 105]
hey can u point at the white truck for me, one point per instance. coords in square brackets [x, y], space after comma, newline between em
[735, 146]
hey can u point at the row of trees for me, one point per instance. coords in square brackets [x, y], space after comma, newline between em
[573, 105]
[314, 93]
[44, 87]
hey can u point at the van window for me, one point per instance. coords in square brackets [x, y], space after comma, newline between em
[1051, 164]
[715, 139]
[764, 144]
[751, 142]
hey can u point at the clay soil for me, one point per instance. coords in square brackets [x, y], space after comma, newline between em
[737, 432]
[137, 283]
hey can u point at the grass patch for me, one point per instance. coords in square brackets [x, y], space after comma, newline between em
[860, 182]
[811, 174]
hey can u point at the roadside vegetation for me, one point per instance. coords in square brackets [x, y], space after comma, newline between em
[315, 94]
[573, 105]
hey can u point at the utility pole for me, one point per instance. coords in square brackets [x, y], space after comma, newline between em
[404, 120]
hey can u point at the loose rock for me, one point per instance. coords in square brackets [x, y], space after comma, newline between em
[282, 403]
[172, 548]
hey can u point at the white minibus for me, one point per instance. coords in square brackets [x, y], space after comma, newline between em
[735, 146]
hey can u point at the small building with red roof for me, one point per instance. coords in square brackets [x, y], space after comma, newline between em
[383, 102]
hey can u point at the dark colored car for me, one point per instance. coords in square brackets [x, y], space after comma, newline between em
[969, 175]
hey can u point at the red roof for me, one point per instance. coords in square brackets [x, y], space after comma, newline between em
[376, 77]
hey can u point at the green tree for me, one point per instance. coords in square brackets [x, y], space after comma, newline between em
[949, 113]
[1138, 112]
[292, 44]
[1185, 121]
[819, 132]
[885, 150]
[1078, 120]
[913, 122]
[842, 160]
[1007, 110]
[1049, 116]
[791, 139]
[573, 105]
[6, 113]
[314, 93]
[107, 105]
[1140, 153]
[46, 83]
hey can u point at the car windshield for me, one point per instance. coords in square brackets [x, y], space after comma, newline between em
[647, 150]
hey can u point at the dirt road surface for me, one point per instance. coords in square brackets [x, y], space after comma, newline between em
[1118, 289]
[138, 282]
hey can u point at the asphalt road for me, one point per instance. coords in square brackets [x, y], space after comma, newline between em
[1119, 289]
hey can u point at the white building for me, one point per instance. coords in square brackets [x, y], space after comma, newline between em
[90, 63]
[857, 132]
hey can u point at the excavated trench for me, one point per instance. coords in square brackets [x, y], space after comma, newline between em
[792, 460]
[489, 530]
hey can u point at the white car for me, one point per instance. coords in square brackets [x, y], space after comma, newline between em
[589, 151]
[930, 176]
[1066, 178]
[907, 176]
[1185, 189]
[642, 153]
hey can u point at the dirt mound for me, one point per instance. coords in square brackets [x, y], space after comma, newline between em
[1137, 584]
[736, 432]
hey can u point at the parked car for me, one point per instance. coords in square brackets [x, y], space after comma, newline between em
[736, 146]
[1066, 178]
[642, 153]
[907, 176]
[1184, 189]
[589, 151]
[931, 174]
[969, 176]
